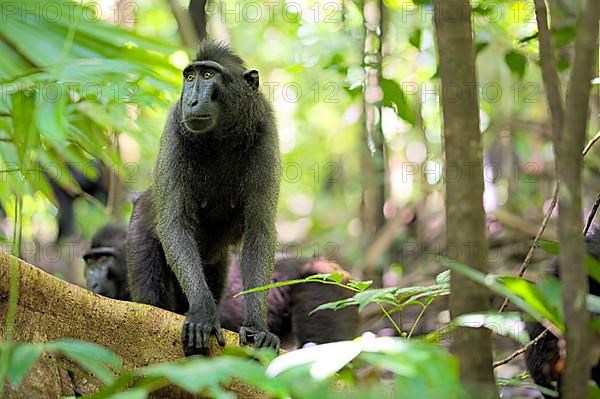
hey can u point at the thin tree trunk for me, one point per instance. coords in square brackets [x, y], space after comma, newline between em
[373, 157]
[569, 147]
[465, 218]
[185, 25]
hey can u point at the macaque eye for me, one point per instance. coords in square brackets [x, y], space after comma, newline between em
[102, 259]
[190, 76]
[207, 74]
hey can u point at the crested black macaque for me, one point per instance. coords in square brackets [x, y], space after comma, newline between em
[106, 262]
[289, 306]
[543, 359]
[216, 184]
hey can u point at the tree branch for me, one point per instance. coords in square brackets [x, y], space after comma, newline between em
[51, 309]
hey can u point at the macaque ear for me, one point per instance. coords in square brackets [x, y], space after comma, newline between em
[251, 76]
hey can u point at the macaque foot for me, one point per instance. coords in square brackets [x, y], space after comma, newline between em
[196, 332]
[261, 338]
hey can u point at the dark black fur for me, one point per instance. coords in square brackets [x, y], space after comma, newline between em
[105, 262]
[289, 306]
[542, 358]
[216, 184]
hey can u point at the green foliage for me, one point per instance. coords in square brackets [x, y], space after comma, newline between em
[21, 357]
[65, 81]
[592, 265]
[523, 294]
[418, 369]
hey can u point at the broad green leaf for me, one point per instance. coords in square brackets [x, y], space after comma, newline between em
[592, 265]
[507, 324]
[415, 38]
[360, 285]
[394, 97]
[538, 312]
[135, 393]
[341, 304]
[516, 63]
[534, 296]
[564, 35]
[480, 46]
[92, 357]
[22, 357]
[380, 295]
[24, 132]
[335, 277]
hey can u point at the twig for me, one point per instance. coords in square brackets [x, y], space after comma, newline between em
[591, 216]
[424, 308]
[548, 66]
[521, 350]
[534, 245]
[591, 143]
[389, 317]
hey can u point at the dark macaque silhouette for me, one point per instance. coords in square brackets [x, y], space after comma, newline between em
[289, 306]
[216, 185]
[106, 262]
[543, 359]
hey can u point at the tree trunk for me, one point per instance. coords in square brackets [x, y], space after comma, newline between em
[373, 143]
[465, 218]
[568, 148]
[50, 309]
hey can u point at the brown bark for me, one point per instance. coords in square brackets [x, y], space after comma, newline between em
[569, 147]
[52, 309]
[373, 155]
[465, 218]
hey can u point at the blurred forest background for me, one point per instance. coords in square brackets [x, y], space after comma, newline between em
[357, 100]
[85, 90]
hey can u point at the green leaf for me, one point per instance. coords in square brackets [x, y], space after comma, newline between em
[443, 278]
[538, 310]
[135, 393]
[394, 97]
[360, 285]
[415, 38]
[92, 357]
[24, 131]
[516, 63]
[22, 357]
[380, 295]
[335, 277]
[564, 35]
[592, 265]
[341, 304]
[506, 324]
[480, 46]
